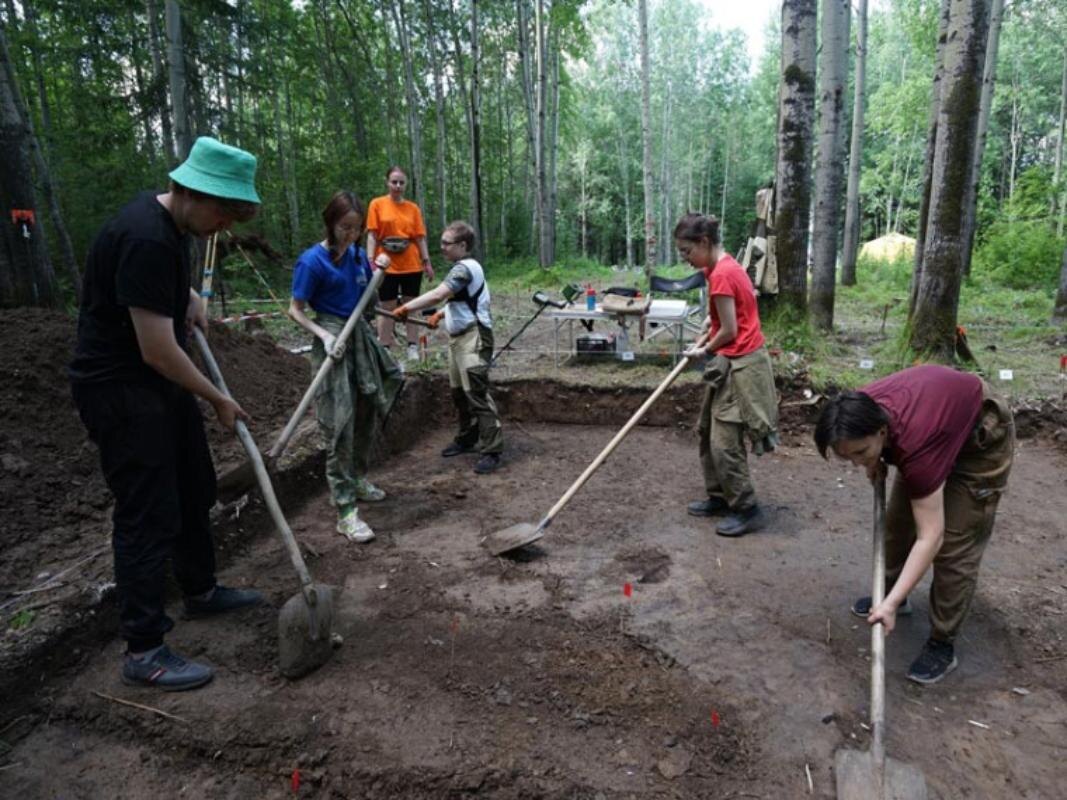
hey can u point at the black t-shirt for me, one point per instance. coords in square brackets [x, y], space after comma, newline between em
[138, 260]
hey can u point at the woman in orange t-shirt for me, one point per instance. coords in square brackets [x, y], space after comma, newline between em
[395, 229]
[740, 401]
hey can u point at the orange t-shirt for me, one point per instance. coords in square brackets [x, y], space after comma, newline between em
[387, 218]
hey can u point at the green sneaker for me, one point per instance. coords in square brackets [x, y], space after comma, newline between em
[368, 492]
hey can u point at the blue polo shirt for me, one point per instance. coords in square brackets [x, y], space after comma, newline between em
[327, 287]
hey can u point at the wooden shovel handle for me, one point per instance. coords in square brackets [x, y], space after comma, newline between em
[607, 451]
[327, 365]
[383, 312]
[878, 631]
[261, 474]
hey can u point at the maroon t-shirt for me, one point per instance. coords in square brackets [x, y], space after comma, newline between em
[932, 410]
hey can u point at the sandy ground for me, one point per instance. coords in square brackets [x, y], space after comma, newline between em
[732, 669]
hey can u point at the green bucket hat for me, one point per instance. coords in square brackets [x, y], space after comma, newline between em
[219, 170]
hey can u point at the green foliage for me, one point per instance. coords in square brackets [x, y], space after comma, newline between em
[21, 620]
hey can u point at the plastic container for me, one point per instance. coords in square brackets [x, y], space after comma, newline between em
[590, 298]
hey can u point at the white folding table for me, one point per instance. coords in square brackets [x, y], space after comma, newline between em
[672, 314]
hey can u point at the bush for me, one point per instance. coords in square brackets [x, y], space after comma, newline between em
[1020, 254]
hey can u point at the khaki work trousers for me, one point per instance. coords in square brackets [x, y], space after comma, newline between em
[469, 354]
[721, 432]
[972, 492]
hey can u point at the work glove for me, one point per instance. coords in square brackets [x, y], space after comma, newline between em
[333, 350]
[402, 312]
[435, 319]
[382, 261]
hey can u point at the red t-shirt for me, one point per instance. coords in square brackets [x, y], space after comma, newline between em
[728, 278]
[932, 410]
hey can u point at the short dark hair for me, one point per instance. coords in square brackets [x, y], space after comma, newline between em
[341, 205]
[849, 415]
[463, 232]
[693, 227]
[240, 210]
[395, 168]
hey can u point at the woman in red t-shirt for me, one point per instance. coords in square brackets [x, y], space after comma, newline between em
[740, 398]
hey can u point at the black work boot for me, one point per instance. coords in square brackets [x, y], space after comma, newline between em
[222, 599]
[487, 463]
[936, 660]
[708, 507]
[455, 449]
[741, 522]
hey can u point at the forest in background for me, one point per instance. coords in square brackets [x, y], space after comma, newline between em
[525, 117]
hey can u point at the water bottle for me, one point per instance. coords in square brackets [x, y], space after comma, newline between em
[590, 297]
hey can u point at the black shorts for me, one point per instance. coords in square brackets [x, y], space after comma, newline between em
[405, 284]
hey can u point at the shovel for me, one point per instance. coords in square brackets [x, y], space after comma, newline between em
[382, 312]
[871, 775]
[305, 621]
[525, 533]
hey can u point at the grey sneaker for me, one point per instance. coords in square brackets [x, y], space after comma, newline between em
[708, 507]
[741, 522]
[368, 492]
[936, 660]
[222, 599]
[165, 670]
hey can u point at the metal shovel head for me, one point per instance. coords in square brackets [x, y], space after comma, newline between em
[857, 778]
[513, 538]
[304, 632]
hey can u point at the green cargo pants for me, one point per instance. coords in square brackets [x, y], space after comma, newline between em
[972, 492]
[469, 354]
[352, 404]
[742, 401]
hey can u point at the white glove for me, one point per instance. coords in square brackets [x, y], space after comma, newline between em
[697, 351]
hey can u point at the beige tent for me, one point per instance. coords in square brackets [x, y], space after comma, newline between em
[889, 247]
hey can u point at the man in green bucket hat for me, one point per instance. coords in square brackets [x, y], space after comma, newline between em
[135, 389]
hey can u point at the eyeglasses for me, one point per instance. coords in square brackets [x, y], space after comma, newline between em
[449, 243]
[398, 183]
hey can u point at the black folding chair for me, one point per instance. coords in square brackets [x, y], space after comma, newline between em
[694, 313]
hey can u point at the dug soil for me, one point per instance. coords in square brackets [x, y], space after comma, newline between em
[633, 653]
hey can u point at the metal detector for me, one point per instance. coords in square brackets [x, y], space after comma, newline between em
[542, 301]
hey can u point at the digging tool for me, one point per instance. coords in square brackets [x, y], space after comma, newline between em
[525, 533]
[543, 301]
[305, 621]
[381, 312]
[871, 775]
[327, 365]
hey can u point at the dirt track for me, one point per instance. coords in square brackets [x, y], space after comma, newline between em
[537, 677]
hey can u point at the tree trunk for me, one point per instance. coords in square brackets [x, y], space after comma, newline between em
[553, 143]
[851, 245]
[411, 102]
[796, 111]
[440, 178]
[646, 140]
[829, 167]
[1057, 188]
[541, 171]
[933, 328]
[989, 75]
[176, 56]
[528, 65]
[931, 142]
[624, 168]
[158, 80]
[26, 274]
[476, 140]
[1059, 310]
[287, 176]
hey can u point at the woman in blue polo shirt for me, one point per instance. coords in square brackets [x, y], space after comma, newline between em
[331, 277]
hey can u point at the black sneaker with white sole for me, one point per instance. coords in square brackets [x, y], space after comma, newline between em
[862, 607]
[936, 660]
[165, 670]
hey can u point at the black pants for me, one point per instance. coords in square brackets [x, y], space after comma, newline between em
[156, 461]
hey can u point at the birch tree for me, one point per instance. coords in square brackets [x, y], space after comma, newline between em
[796, 110]
[985, 103]
[646, 140]
[829, 167]
[26, 274]
[176, 58]
[933, 322]
[411, 101]
[851, 245]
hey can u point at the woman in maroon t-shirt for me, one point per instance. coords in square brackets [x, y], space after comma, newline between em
[951, 440]
[740, 398]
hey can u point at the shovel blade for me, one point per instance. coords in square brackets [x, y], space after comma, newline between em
[513, 538]
[304, 630]
[858, 779]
